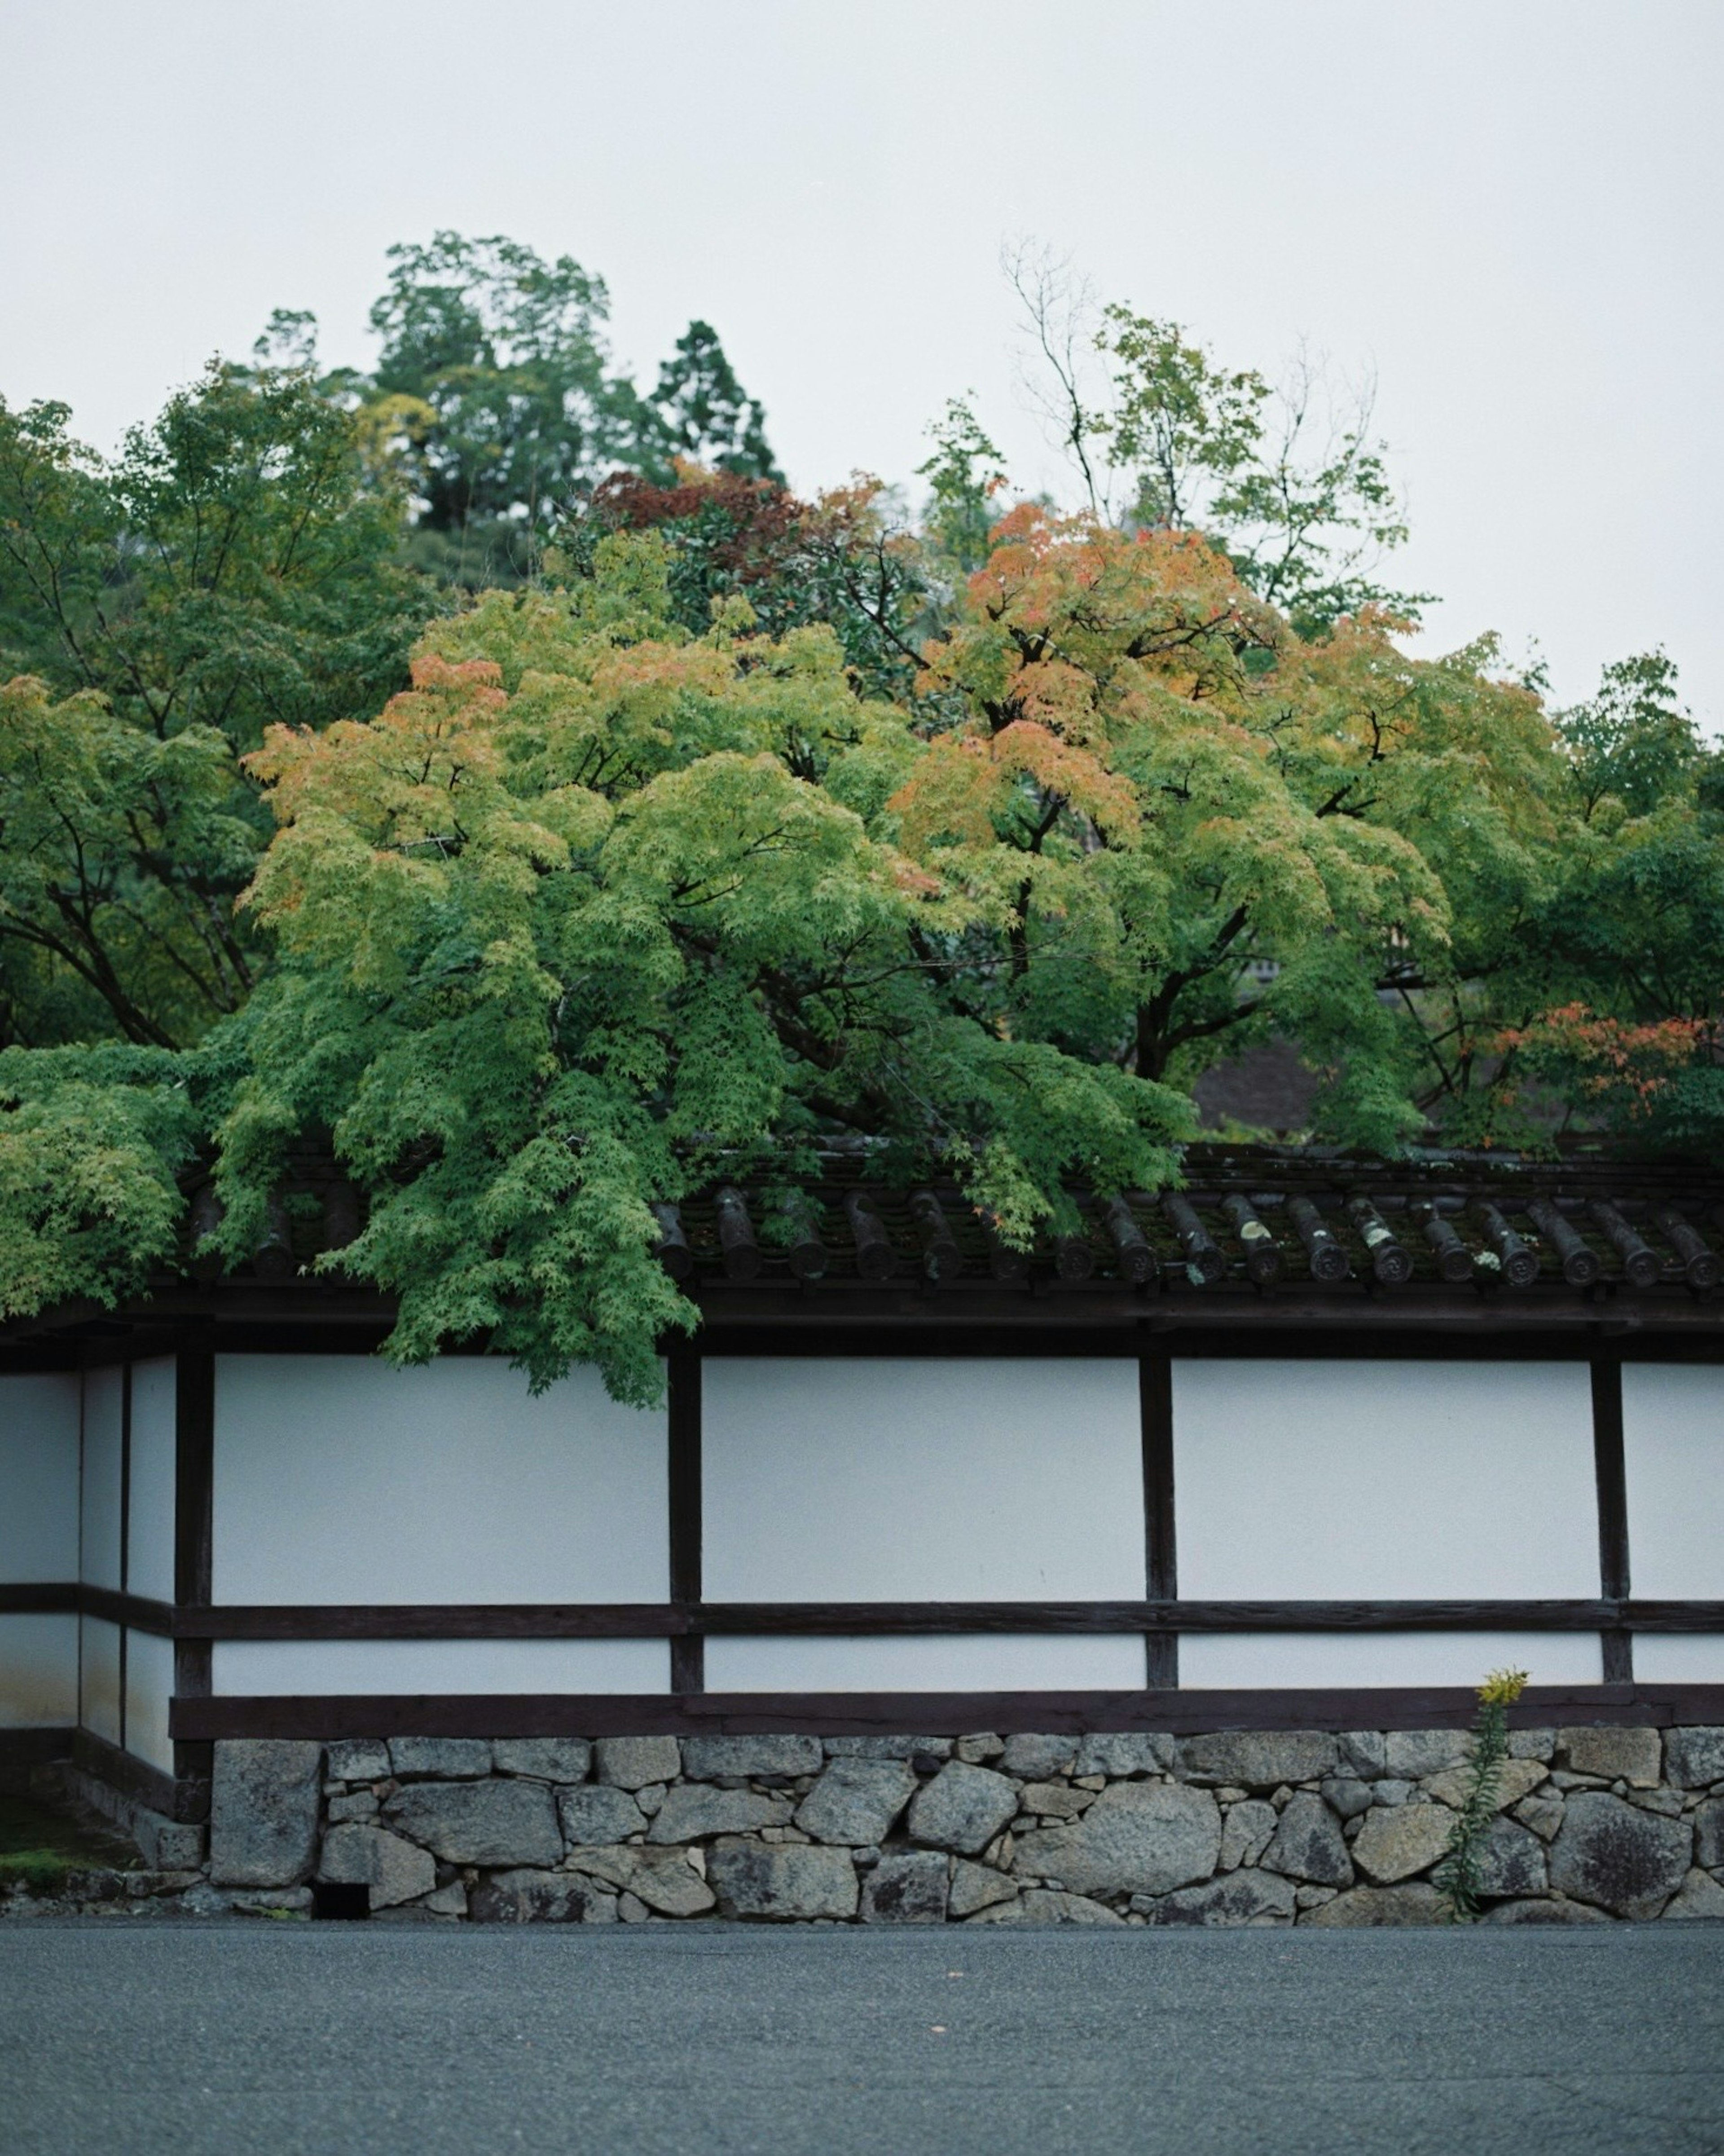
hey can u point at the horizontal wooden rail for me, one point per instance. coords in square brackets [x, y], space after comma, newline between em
[77, 1597]
[757, 1619]
[673, 1620]
[835, 1714]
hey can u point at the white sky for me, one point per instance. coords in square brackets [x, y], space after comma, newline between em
[1511, 210]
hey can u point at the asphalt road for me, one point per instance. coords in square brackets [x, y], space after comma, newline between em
[375, 2041]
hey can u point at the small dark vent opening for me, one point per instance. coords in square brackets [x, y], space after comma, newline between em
[336, 1898]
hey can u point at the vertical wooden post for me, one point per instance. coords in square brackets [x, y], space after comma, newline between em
[688, 1650]
[193, 1523]
[1612, 1476]
[1155, 1388]
[125, 1531]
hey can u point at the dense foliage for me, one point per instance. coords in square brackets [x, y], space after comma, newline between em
[676, 826]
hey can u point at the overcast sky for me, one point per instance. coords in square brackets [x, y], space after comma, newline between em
[1510, 211]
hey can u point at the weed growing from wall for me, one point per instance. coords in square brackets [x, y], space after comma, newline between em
[1456, 1877]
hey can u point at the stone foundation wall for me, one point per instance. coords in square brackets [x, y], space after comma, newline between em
[1237, 1827]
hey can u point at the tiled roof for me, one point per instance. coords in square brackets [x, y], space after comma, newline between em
[1252, 1219]
[1271, 1237]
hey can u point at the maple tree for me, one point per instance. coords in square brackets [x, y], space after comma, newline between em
[593, 913]
[689, 827]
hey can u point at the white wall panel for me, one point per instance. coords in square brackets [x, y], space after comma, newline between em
[38, 1477]
[1678, 1657]
[840, 1480]
[1040, 1661]
[1673, 1450]
[250, 1666]
[99, 1678]
[1384, 1480]
[150, 1521]
[38, 1672]
[340, 1479]
[103, 1407]
[149, 1688]
[1227, 1661]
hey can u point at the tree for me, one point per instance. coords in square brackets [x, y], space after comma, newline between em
[231, 570]
[506, 353]
[1287, 479]
[840, 559]
[121, 853]
[703, 415]
[1634, 742]
[740, 823]
[495, 375]
[1170, 845]
[585, 917]
[92, 1142]
[965, 476]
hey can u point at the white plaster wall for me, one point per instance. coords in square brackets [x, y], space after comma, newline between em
[340, 1479]
[840, 1480]
[149, 1688]
[1673, 1452]
[103, 1407]
[1040, 1661]
[1678, 1657]
[1328, 1481]
[150, 1525]
[39, 1672]
[247, 1667]
[1227, 1661]
[38, 1477]
[99, 1678]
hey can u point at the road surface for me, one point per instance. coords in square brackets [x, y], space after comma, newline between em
[126, 2038]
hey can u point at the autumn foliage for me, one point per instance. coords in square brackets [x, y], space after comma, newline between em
[733, 825]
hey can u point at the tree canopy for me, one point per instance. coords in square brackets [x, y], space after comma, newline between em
[689, 826]
[494, 374]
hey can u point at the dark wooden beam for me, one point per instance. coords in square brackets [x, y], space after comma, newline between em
[687, 1620]
[1611, 1476]
[38, 1598]
[1161, 1566]
[688, 1650]
[193, 1517]
[835, 1714]
[124, 1534]
[1296, 1324]
[137, 1612]
[124, 1770]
